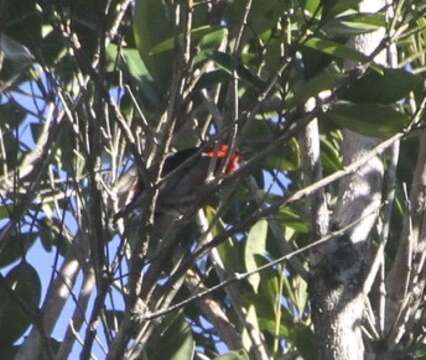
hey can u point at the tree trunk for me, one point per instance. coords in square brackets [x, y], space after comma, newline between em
[337, 280]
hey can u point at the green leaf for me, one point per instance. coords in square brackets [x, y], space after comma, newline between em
[420, 351]
[342, 6]
[368, 119]
[269, 326]
[338, 50]
[386, 88]
[303, 338]
[130, 61]
[4, 212]
[228, 251]
[353, 24]
[15, 51]
[331, 157]
[255, 245]
[213, 39]
[227, 62]
[297, 334]
[283, 159]
[269, 290]
[300, 292]
[23, 280]
[22, 22]
[313, 6]
[375, 19]
[288, 217]
[234, 355]
[209, 35]
[11, 115]
[13, 150]
[52, 233]
[152, 24]
[212, 78]
[209, 43]
[15, 246]
[263, 15]
[16, 58]
[325, 80]
[176, 342]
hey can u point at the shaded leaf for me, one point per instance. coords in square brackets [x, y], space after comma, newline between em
[11, 115]
[114, 319]
[228, 250]
[130, 62]
[266, 299]
[52, 234]
[209, 43]
[227, 62]
[16, 246]
[333, 48]
[325, 80]
[23, 280]
[297, 334]
[386, 88]
[368, 119]
[22, 22]
[15, 51]
[263, 15]
[176, 342]
[152, 24]
[209, 35]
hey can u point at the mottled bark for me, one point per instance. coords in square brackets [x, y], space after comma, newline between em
[336, 284]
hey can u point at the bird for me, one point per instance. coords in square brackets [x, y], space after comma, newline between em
[183, 173]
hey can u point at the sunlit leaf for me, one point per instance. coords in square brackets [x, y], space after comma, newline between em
[234, 355]
[342, 6]
[313, 6]
[255, 245]
[353, 24]
[288, 217]
[331, 157]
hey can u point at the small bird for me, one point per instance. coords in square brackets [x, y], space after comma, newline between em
[183, 173]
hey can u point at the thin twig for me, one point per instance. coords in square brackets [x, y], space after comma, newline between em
[242, 276]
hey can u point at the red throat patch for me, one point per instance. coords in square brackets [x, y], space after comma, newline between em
[221, 153]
